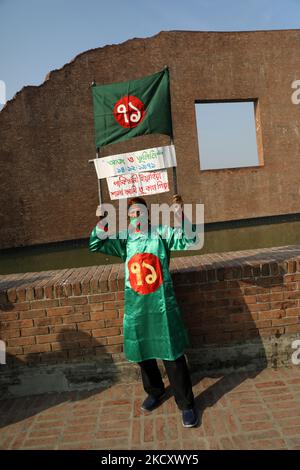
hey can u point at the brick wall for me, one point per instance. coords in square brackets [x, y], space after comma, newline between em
[47, 135]
[242, 309]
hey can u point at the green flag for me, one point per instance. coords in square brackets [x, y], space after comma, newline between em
[133, 108]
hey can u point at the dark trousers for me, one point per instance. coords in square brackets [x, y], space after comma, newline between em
[179, 378]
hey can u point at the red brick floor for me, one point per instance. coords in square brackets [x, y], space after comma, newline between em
[238, 411]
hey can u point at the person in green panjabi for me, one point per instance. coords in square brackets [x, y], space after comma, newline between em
[153, 324]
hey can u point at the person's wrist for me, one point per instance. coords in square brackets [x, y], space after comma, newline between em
[102, 225]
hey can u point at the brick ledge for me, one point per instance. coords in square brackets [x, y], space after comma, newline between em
[200, 268]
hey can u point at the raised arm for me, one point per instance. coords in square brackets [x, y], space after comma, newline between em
[113, 245]
[180, 238]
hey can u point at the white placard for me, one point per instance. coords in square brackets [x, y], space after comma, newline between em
[138, 184]
[135, 162]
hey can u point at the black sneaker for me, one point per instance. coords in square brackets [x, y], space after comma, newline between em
[152, 402]
[189, 418]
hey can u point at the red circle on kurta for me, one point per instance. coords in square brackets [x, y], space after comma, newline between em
[145, 273]
[129, 111]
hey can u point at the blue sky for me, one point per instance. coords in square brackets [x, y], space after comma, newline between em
[226, 135]
[37, 36]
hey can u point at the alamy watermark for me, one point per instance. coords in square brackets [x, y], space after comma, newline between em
[2, 92]
[2, 352]
[156, 221]
[296, 354]
[296, 94]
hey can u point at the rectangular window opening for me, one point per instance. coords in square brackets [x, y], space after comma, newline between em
[229, 134]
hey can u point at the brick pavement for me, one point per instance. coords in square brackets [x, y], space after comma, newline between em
[238, 411]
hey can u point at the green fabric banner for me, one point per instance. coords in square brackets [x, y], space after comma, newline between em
[133, 108]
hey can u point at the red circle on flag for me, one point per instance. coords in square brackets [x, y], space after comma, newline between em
[145, 273]
[129, 111]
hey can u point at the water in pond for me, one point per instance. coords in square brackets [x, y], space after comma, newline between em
[218, 237]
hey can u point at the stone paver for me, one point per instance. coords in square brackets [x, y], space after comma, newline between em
[238, 411]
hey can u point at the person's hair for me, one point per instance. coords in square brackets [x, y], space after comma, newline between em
[136, 200]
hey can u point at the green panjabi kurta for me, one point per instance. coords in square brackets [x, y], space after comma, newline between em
[153, 324]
